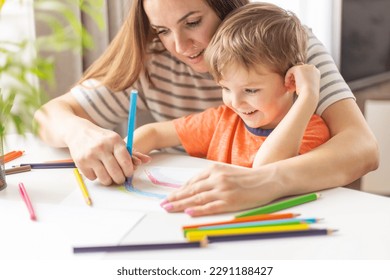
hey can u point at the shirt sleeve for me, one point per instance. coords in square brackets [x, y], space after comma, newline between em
[107, 109]
[333, 87]
[317, 133]
[197, 130]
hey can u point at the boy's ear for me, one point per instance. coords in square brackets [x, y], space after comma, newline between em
[289, 83]
[290, 86]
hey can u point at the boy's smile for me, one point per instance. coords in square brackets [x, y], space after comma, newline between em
[258, 95]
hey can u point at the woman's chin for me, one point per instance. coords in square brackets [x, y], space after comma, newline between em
[199, 68]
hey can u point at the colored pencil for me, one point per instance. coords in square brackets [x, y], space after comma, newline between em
[262, 217]
[18, 169]
[60, 160]
[280, 205]
[268, 235]
[199, 235]
[131, 126]
[50, 165]
[82, 186]
[27, 201]
[255, 224]
[12, 155]
[141, 247]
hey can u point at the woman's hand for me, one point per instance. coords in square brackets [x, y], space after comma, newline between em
[101, 154]
[218, 189]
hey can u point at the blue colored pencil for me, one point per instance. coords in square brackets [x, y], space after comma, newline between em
[131, 121]
[131, 125]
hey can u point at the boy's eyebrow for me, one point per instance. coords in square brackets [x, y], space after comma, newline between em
[179, 20]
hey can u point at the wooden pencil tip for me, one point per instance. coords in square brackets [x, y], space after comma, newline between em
[204, 242]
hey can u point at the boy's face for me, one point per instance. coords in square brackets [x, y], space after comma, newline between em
[258, 96]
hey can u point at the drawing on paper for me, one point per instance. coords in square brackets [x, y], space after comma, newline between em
[157, 182]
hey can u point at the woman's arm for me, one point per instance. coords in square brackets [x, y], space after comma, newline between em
[98, 152]
[351, 152]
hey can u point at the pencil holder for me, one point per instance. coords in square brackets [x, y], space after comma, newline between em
[3, 183]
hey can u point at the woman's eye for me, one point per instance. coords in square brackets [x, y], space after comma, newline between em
[193, 23]
[161, 32]
[251, 90]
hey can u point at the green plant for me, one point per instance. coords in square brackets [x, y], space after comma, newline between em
[28, 65]
[26, 69]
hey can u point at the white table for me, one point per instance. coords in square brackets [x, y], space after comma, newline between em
[117, 217]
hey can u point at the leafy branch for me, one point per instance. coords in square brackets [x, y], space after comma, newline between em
[25, 69]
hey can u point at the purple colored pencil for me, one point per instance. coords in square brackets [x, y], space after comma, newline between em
[270, 235]
[50, 165]
[141, 247]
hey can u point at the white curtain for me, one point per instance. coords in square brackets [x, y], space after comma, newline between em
[69, 65]
[322, 16]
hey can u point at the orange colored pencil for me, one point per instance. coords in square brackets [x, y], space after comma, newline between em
[262, 217]
[60, 160]
[7, 155]
[12, 155]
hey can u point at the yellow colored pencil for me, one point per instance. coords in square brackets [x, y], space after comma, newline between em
[199, 235]
[82, 186]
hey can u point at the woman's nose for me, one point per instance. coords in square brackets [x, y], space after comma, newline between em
[182, 43]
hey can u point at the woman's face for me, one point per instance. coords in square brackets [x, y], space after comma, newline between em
[185, 27]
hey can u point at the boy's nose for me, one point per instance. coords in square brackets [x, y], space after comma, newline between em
[236, 100]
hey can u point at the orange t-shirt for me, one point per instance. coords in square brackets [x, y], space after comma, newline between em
[219, 134]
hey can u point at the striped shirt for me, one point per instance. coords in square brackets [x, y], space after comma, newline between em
[177, 90]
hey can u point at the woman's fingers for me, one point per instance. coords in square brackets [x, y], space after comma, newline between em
[102, 156]
[218, 189]
[213, 207]
[187, 201]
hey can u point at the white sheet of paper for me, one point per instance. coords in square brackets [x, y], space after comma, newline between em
[59, 228]
[146, 197]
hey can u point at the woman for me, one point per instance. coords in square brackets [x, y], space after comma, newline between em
[159, 51]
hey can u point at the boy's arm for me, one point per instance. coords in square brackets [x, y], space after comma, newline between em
[285, 140]
[154, 136]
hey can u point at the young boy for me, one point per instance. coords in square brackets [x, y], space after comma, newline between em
[257, 56]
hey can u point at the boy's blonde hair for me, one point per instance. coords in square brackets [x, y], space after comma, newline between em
[257, 33]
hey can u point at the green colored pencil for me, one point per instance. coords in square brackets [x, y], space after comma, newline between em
[277, 206]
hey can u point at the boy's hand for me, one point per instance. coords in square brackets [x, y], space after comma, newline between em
[304, 80]
[139, 158]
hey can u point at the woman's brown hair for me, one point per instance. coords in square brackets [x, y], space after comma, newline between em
[125, 58]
